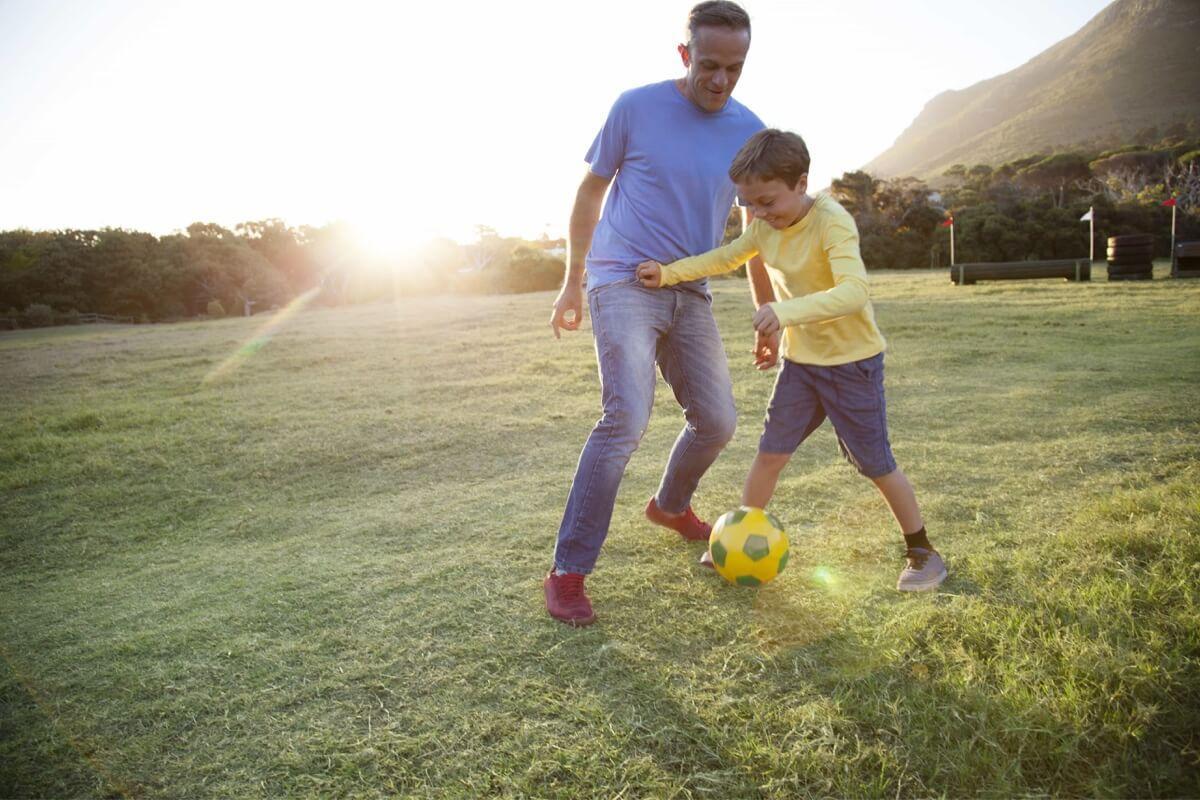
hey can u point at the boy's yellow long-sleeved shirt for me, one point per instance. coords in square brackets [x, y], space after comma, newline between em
[818, 274]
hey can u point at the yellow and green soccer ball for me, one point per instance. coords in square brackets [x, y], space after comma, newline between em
[748, 546]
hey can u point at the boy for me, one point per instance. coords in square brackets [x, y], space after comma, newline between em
[832, 349]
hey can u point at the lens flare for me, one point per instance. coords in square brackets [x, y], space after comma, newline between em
[825, 577]
[261, 336]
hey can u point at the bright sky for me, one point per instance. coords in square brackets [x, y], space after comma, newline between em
[426, 120]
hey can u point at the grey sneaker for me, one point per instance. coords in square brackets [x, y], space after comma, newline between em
[925, 570]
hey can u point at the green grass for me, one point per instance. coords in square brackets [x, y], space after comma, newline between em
[320, 574]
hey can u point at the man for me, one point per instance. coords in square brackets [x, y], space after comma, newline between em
[665, 149]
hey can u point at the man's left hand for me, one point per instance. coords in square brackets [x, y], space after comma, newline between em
[765, 321]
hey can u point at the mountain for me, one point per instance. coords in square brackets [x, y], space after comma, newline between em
[1135, 65]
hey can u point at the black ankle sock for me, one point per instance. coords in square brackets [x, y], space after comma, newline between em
[918, 539]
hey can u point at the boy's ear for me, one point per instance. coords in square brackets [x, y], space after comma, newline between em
[802, 184]
[686, 55]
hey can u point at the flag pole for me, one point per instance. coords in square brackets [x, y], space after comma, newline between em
[1091, 234]
[1172, 233]
[952, 241]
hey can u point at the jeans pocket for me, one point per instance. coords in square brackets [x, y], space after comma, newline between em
[595, 294]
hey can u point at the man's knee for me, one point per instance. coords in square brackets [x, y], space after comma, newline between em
[624, 426]
[719, 427]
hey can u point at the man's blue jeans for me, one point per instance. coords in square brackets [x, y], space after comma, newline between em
[634, 329]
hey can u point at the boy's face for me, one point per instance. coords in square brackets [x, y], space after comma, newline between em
[714, 64]
[773, 201]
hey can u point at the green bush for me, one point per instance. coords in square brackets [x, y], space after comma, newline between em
[215, 309]
[39, 315]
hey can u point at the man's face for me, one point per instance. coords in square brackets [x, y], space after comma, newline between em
[773, 201]
[714, 64]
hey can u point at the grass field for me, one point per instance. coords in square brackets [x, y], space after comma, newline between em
[319, 571]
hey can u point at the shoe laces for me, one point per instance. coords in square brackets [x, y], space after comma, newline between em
[917, 557]
[570, 587]
[690, 517]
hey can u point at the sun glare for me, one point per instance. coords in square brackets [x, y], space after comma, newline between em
[387, 239]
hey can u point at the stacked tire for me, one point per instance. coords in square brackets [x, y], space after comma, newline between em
[1187, 260]
[1131, 258]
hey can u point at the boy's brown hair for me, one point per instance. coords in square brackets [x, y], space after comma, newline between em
[771, 154]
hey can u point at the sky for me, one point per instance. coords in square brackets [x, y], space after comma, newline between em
[418, 122]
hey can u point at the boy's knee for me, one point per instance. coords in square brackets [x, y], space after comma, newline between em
[773, 462]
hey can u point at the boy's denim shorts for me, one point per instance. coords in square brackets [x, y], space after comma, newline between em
[851, 395]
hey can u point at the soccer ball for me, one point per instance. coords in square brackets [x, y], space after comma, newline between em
[748, 546]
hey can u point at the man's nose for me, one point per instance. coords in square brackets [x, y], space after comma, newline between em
[720, 79]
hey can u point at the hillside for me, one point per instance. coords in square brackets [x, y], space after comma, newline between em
[1135, 65]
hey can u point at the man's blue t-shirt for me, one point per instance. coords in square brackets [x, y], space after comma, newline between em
[672, 192]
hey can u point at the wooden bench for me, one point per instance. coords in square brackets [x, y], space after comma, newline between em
[1185, 261]
[1079, 269]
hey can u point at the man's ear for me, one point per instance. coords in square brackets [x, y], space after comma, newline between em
[802, 184]
[686, 55]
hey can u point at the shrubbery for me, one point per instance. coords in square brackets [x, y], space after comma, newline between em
[1026, 209]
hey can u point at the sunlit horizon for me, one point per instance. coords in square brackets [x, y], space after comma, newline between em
[411, 124]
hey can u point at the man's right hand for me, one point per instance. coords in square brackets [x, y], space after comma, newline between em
[568, 309]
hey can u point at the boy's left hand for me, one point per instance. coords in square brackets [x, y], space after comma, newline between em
[765, 321]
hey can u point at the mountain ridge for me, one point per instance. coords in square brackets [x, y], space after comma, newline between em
[1135, 65]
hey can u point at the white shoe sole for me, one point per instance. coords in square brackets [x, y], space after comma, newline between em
[924, 586]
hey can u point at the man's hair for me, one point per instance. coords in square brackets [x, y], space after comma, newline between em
[771, 154]
[719, 14]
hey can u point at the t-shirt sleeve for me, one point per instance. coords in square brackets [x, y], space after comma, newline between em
[850, 292]
[714, 262]
[607, 152]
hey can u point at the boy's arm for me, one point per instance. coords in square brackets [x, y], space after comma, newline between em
[714, 262]
[849, 293]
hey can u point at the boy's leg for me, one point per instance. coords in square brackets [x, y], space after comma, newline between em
[901, 499]
[627, 321]
[762, 478]
[793, 413]
[692, 359]
[854, 398]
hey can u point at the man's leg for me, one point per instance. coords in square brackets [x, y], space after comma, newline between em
[692, 359]
[627, 321]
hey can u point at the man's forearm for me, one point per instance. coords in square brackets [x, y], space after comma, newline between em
[761, 290]
[585, 215]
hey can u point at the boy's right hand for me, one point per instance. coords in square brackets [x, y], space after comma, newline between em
[650, 274]
[766, 351]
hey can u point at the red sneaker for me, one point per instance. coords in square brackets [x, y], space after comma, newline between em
[686, 524]
[566, 600]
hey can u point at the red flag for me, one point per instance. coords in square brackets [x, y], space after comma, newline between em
[1170, 201]
[946, 223]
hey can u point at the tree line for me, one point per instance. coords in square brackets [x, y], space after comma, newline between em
[1025, 209]
[209, 270]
